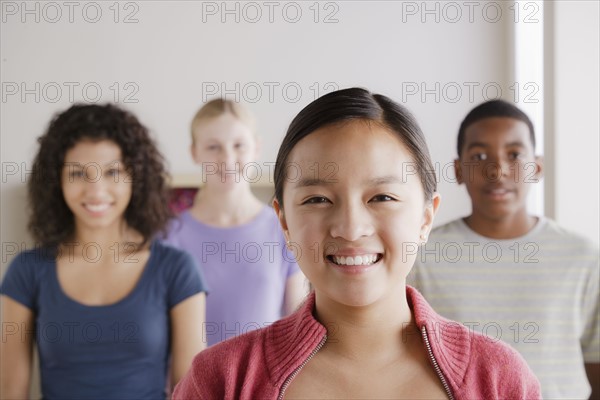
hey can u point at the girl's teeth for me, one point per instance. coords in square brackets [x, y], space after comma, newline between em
[97, 208]
[357, 260]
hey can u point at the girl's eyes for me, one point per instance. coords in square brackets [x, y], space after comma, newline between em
[215, 147]
[76, 174]
[382, 198]
[80, 174]
[317, 200]
[376, 199]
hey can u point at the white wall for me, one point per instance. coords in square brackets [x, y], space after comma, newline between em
[572, 115]
[169, 57]
[162, 65]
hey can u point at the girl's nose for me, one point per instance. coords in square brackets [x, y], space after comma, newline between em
[228, 160]
[95, 181]
[351, 222]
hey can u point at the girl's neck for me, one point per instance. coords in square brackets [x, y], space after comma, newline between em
[225, 208]
[383, 329]
[107, 239]
[508, 227]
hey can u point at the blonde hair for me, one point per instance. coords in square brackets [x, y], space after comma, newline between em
[217, 107]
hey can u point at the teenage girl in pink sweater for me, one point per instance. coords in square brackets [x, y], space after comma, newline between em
[356, 195]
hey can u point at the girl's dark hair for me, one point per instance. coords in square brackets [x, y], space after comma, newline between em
[492, 109]
[51, 221]
[357, 104]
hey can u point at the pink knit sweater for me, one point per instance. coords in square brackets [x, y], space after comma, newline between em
[260, 364]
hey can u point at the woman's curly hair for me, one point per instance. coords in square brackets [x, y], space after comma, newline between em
[51, 221]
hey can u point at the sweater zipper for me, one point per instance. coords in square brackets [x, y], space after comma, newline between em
[438, 371]
[297, 370]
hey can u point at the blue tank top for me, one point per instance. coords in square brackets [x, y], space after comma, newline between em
[116, 351]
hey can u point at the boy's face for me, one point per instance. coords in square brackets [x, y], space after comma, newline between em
[497, 164]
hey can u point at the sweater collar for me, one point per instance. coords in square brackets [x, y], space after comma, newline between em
[292, 340]
[450, 341]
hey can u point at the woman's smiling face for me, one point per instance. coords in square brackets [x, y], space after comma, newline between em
[95, 184]
[355, 210]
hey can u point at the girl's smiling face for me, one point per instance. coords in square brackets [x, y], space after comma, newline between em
[224, 145]
[355, 210]
[95, 184]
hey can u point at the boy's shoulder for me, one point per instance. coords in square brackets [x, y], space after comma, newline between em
[554, 231]
[451, 229]
[546, 231]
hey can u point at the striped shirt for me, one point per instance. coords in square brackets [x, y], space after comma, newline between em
[539, 293]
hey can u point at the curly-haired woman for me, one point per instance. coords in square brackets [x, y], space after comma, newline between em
[113, 309]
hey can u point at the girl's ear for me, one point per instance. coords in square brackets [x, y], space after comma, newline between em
[193, 152]
[539, 171]
[458, 171]
[258, 147]
[281, 217]
[429, 215]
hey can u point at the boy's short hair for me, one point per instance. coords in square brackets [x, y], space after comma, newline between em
[492, 109]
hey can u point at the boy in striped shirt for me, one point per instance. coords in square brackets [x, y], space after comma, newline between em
[511, 275]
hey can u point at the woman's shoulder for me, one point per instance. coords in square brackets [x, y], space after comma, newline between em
[171, 262]
[30, 260]
[222, 370]
[476, 365]
[168, 253]
[480, 366]
[494, 364]
[256, 363]
[256, 347]
[25, 275]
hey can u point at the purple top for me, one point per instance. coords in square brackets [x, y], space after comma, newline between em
[246, 268]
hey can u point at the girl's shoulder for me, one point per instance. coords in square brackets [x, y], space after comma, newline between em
[177, 269]
[164, 255]
[35, 260]
[494, 363]
[25, 274]
[254, 364]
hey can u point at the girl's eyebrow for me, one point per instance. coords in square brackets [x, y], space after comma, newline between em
[77, 164]
[384, 180]
[307, 182]
[112, 163]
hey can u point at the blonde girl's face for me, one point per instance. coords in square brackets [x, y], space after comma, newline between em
[226, 149]
[95, 184]
[354, 210]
